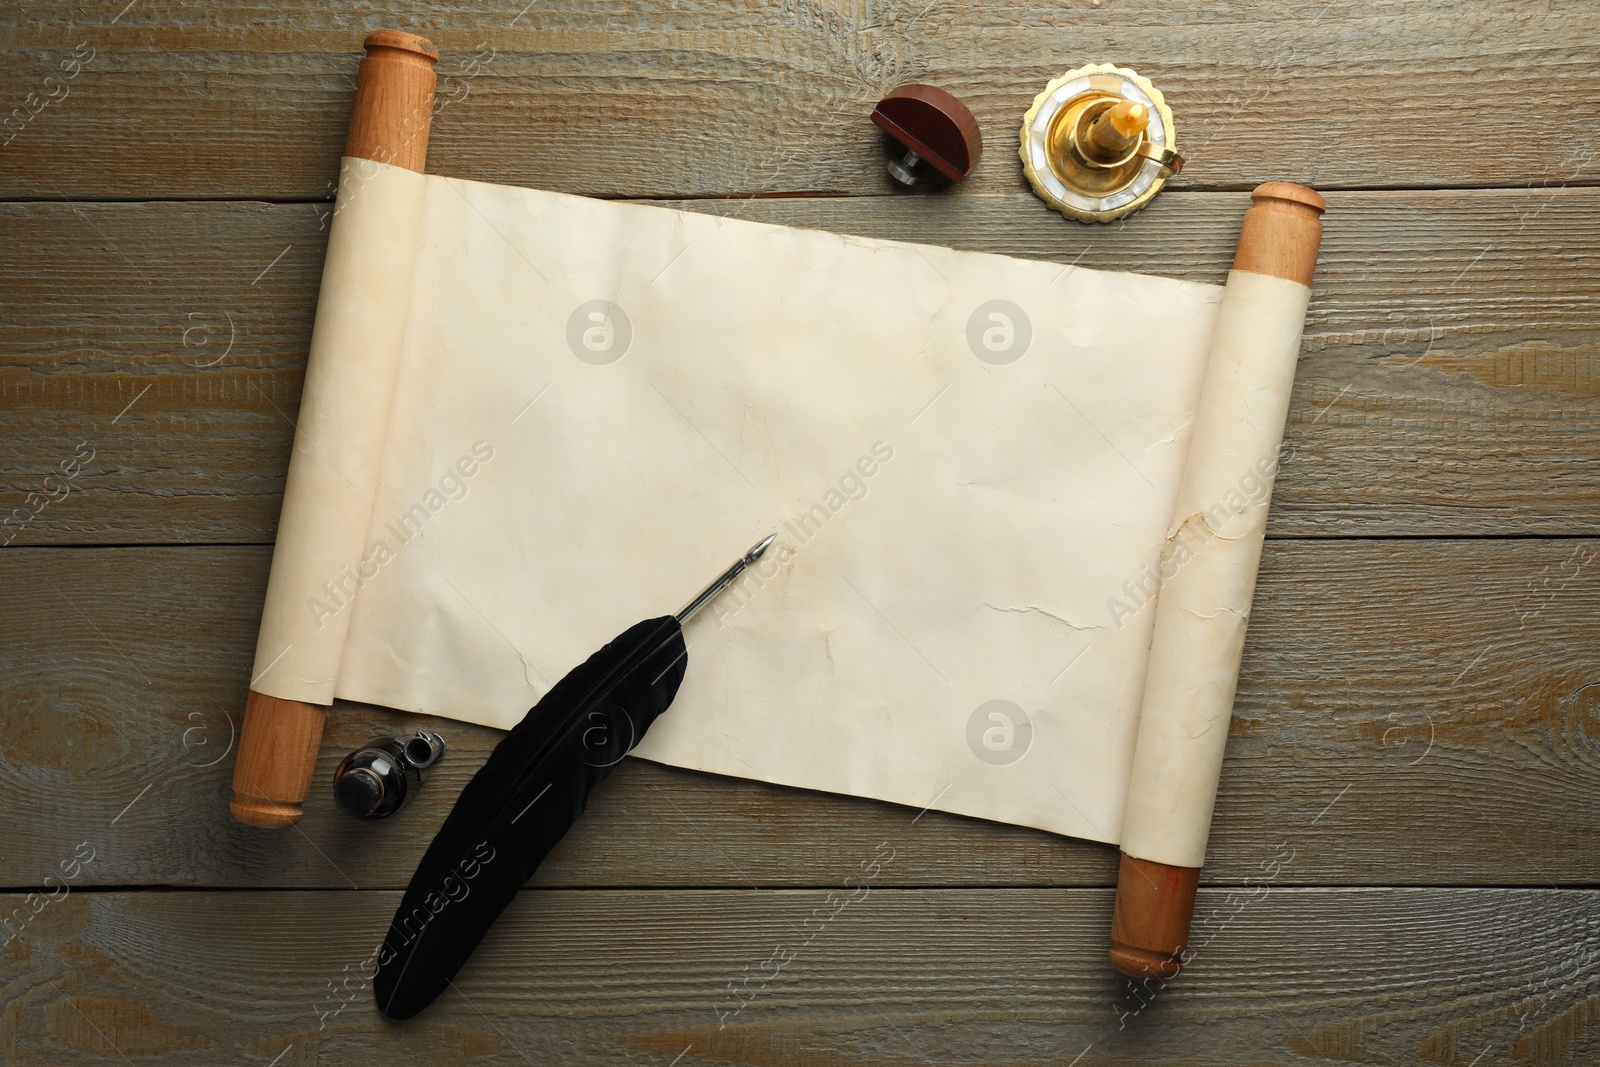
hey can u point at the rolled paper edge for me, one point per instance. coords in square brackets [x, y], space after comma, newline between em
[1280, 237]
[1279, 240]
[337, 457]
[390, 122]
[350, 372]
[1209, 568]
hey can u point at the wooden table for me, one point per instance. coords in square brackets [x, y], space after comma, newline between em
[1404, 860]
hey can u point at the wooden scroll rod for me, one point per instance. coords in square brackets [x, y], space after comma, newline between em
[1280, 237]
[389, 124]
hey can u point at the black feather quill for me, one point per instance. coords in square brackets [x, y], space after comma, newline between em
[520, 804]
[525, 798]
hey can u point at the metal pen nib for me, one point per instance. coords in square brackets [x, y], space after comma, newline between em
[726, 578]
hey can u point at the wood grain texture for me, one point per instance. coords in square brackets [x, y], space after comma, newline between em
[1447, 384]
[898, 977]
[1409, 712]
[712, 97]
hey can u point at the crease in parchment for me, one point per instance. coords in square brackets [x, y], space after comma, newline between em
[1034, 609]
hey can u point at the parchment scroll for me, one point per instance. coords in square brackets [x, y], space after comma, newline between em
[972, 463]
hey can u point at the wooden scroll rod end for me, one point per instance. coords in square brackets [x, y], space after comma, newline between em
[1289, 197]
[393, 106]
[277, 757]
[263, 814]
[1282, 232]
[419, 49]
[1150, 921]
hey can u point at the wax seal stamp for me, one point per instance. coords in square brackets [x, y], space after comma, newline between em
[1099, 143]
[934, 127]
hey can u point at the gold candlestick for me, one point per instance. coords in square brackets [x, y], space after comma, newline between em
[1099, 143]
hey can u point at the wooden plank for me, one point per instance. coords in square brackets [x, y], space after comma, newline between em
[1409, 712]
[896, 977]
[1447, 384]
[703, 98]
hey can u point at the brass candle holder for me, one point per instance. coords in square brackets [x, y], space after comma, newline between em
[1099, 143]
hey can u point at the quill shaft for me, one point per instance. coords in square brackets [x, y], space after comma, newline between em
[519, 805]
[526, 796]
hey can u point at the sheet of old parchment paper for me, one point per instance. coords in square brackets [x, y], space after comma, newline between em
[971, 462]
